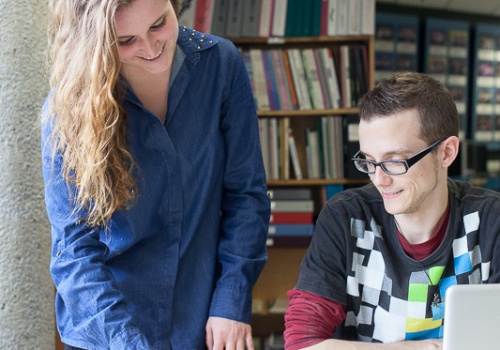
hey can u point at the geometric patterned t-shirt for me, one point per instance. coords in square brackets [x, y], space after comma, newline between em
[356, 259]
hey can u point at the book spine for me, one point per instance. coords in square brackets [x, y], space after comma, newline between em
[294, 155]
[289, 78]
[235, 15]
[291, 229]
[259, 79]
[299, 77]
[294, 193]
[291, 218]
[312, 78]
[279, 18]
[272, 90]
[219, 17]
[251, 14]
[298, 205]
[265, 18]
[283, 89]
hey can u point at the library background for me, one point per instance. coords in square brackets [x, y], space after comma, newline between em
[309, 62]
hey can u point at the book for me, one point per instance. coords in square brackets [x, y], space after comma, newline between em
[332, 189]
[295, 205]
[203, 15]
[292, 18]
[345, 77]
[315, 16]
[272, 86]
[264, 144]
[250, 20]
[289, 78]
[247, 60]
[291, 218]
[266, 15]
[259, 79]
[279, 18]
[320, 67]
[284, 149]
[331, 77]
[313, 81]
[353, 17]
[332, 17]
[341, 20]
[294, 155]
[274, 148]
[281, 80]
[313, 154]
[300, 79]
[367, 17]
[323, 26]
[288, 241]
[307, 17]
[234, 18]
[219, 17]
[290, 193]
[291, 229]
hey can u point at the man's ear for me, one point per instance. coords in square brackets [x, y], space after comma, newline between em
[450, 148]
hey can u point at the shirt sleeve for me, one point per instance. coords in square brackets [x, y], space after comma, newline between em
[310, 319]
[85, 289]
[245, 208]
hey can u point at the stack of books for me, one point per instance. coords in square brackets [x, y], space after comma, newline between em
[292, 217]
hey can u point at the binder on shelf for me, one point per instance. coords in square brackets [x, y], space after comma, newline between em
[219, 17]
[250, 18]
[234, 18]
[486, 88]
[396, 44]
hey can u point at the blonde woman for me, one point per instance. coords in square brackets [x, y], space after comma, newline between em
[155, 187]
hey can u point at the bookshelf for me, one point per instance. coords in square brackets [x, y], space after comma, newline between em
[486, 111]
[447, 59]
[396, 44]
[286, 252]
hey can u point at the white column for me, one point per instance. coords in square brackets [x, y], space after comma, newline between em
[26, 290]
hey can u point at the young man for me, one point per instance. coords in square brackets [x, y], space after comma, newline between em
[383, 256]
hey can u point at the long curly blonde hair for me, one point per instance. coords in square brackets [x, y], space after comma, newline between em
[89, 128]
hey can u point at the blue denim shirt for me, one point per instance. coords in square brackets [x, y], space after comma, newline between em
[194, 243]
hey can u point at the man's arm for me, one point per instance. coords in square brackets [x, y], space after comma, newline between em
[335, 344]
[311, 320]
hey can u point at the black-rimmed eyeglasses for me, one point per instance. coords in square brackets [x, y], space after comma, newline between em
[393, 166]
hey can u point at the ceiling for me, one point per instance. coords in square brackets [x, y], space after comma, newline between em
[477, 7]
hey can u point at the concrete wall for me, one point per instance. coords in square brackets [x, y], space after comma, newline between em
[26, 290]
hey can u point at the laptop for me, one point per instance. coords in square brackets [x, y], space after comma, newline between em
[472, 317]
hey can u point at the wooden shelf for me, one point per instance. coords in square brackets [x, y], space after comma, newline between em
[305, 113]
[306, 40]
[317, 182]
